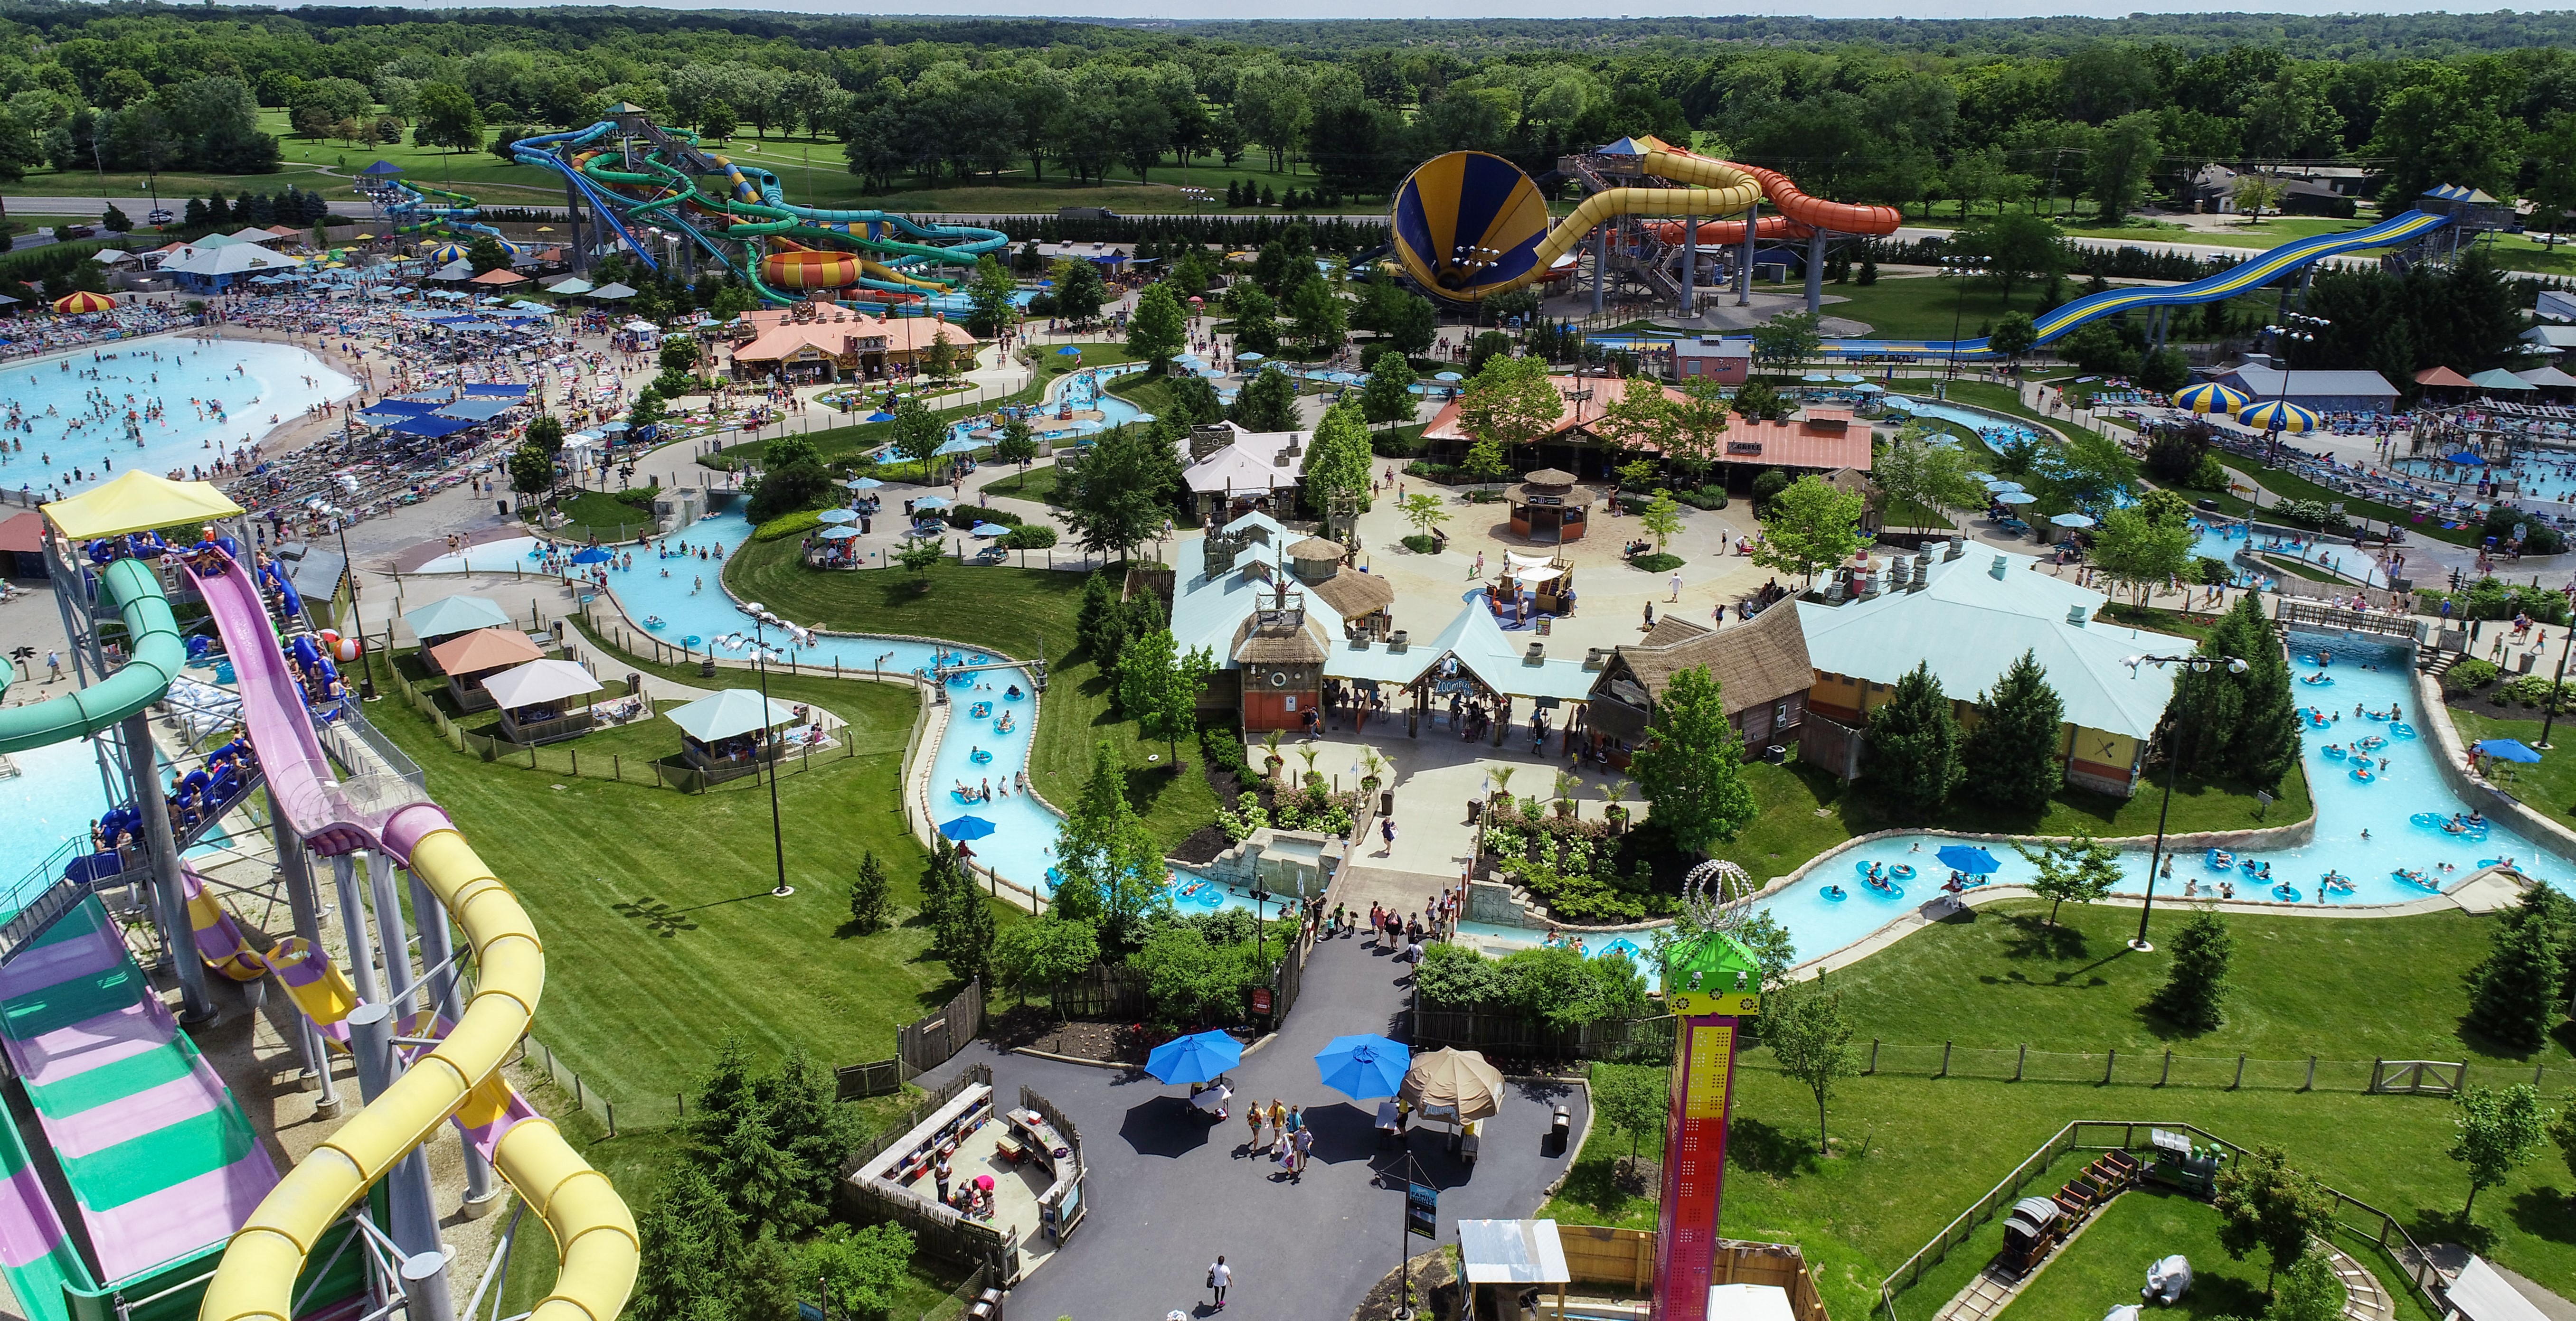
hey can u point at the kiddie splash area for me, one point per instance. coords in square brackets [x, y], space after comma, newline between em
[626, 174]
[170, 403]
[137, 1185]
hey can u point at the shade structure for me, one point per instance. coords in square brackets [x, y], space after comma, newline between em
[2442, 376]
[137, 502]
[840, 532]
[966, 827]
[73, 304]
[986, 530]
[2015, 498]
[540, 681]
[838, 516]
[1248, 357]
[1999, 484]
[2505, 749]
[960, 445]
[1068, 351]
[1449, 1078]
[1449, 377]
[1970, 858]
[2466, 458]
[613, 291]
[451, 615]
[931, 502]
[2497, 378]
[2073, 520]
[863, 483]
[1363, 1066]
[485, 649]
[1197, 1057]
[729, 713]
[2278, 415]
[1466, 224]
[2209, 397]
[442, 253]
[575, 285]
[593, 555]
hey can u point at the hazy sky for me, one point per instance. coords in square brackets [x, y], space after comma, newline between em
[1253, 9]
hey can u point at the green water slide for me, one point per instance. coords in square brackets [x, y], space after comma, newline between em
[154, 653]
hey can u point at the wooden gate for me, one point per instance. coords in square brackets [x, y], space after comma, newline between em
[2418, 1077]
[933, 1041]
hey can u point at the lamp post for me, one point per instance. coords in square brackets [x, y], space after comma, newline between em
[2295, 328]
[367, 668]
[777, 833]
[2550, 711]
[1963, 269]
[2155, 859]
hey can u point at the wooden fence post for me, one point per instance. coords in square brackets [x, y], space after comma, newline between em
[2020, 1060]
[2311, 1084]
[2167, 1075]
[2240, 1072]
[2109, 1062]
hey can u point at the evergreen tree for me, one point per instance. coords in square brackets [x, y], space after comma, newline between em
[724, 1096]
[2010, 758]
[1914, 747]
[1096, 622]
[1268, 402]
[2195, 990]
[2514, 994]
[689, 1235]
[809, 1122]
[766, 1186]
[1691, 767]
[1110, 870]
[870, 894]
[2264, 745]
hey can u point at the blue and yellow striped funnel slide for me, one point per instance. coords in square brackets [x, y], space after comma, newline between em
[2278, 415]
[1468, 223]
[2208, 397]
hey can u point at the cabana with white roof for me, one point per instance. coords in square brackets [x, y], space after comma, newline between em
[731, 732]
[536, 700]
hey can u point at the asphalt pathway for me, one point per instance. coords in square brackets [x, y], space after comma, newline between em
[1169, 1189]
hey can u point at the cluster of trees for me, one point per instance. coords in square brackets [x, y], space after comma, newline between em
[2521, 990]
[208, 125]
[288, 206]
[742, 1218]
[1919, 757]
[2226, 722]
[1554, 985]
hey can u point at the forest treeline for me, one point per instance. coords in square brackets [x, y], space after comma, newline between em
[1992, 114]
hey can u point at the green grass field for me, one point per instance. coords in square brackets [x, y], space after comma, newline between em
[661, 939]
[2547, 786]
[2107, 1264]
[1924, 307]
[1913, 1151]
[996, 608]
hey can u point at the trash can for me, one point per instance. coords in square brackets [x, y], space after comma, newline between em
[1386, 802]
[707, 667]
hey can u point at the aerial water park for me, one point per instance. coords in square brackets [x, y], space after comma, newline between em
[672, 202]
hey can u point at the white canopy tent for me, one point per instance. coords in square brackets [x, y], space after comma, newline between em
[540, 681]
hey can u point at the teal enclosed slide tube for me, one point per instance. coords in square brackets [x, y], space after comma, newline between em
[154, 652]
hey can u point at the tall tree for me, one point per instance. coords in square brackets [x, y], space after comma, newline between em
[1159, 686]
[1387, 396]
[2080, 868]
[1810, 1033]
[2139, 552]
[1267, 402]
[1511, 402]
[1810, 526]
[1157, 330]
[2515, 993]
[2010, 759]
[2267, 1205]
[1119, 498]
[1632, 1099]
[1338, 462]
[2120, 166]
[1044, 954]
[2499, 1130]
[1691, 766]
[1914, 747]
[1110, 870]
[990, 297]
[1921, 478]
[870, 894]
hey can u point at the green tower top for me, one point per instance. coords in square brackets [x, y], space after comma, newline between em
[1712, 973]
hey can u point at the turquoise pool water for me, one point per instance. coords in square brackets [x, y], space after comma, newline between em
[258, 384]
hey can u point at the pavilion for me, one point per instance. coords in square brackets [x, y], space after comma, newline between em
[469, 659]
[733, 731]
[536, 700]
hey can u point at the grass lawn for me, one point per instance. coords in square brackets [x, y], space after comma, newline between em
[2195, 625]
[991, 607]
[1172, 796]
[842, 442]
[1037, 486]
[661, 939]
[2005, 399]
[2287, 485]
[1913, 1151]
[600, 516]
[2297, 569]
[2547, 786]
[1924, 307]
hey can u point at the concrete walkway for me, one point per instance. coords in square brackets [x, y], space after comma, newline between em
[1171, 1189]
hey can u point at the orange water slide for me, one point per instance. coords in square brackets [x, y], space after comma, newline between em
[1796, 215]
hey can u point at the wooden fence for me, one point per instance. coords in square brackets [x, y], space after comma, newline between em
[2167, 1068]
[937, 1229]
[933, 1040]
[1101, 991]
[1625, 1259]
[1619, 1041]
[857, 1082]
[2398, 1251]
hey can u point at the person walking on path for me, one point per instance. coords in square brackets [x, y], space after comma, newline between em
[1220, 1275]
[1252, 1122]
[1677, 584]
[1386, 831]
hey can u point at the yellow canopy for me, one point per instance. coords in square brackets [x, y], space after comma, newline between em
[137, 502]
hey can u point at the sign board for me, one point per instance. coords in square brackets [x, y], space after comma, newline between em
[1422, 1210]
[1261, 1000]
[1547, 500]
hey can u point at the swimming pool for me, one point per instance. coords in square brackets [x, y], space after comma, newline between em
[254, 380]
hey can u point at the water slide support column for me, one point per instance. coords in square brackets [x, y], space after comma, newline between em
[572, 208]
[415, 1228]
[144, 772]
[392, 936]
[447, 996]
[1600, 263]
[1690, 265]
[1744, 265]
[307, 909]
[1816, 273]
[353, 924]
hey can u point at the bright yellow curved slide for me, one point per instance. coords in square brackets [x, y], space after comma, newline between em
[1717, 189]
[592, 1229]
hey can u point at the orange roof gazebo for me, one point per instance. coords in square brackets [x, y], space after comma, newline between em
[2443, 376]
[484, 649]
[499, 275]
[73, 304]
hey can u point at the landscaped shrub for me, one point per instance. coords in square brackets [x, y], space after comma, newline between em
[2469, 674]
[2308, 514]
[2214, 570]
[2493, 598]
[963, 517]
[1421, 544]
[1659, 562]
[1706, 497]
[1030, 536]
[789, 525]
[2538, 538]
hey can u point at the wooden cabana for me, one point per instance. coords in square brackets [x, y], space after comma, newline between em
[732, 731]
[470, 659]
[537, 700]
[1550, 506]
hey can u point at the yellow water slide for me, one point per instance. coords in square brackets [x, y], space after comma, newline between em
[1472, 225]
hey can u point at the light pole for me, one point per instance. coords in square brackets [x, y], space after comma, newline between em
[2550, 712]
[2295, 328]
[2155, 859]
[777, 833]
[367, 668]
[1962, 269]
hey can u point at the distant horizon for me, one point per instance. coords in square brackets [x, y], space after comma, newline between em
[1175, 11]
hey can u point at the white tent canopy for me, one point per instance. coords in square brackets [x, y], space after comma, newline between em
[729, 713]
[540, 681]
[2481, 1294]
[1512, 1252]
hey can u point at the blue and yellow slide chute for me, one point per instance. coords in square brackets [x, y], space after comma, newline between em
[1469, 225]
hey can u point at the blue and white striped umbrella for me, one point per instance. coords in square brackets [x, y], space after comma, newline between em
[2278, 415]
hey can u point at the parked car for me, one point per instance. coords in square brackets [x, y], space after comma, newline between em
[162, 216]
[75, 231]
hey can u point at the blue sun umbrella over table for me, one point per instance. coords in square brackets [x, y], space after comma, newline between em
[1198, 1057]
[966, 827]
[1364, 1066]
[594, 555]
[2506, 749]
[1968, 858]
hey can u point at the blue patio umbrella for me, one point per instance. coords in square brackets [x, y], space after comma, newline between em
[931, 502]
[986, 530]
[1816, 378]
[2465, 458]
[966, 827]
[1969, 858]
[1449, 376]
[837, 516]
[1068, 351]
[842, 533]
[880, 416]
[1363, 1066]
[1248, 357]
[862, 484]
[1198, 1057]
[2505, 749]
[2072, 520]
[961, 445]
[2015, 498]
[594, 555]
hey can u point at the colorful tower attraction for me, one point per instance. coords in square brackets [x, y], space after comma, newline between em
[1712, 984]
